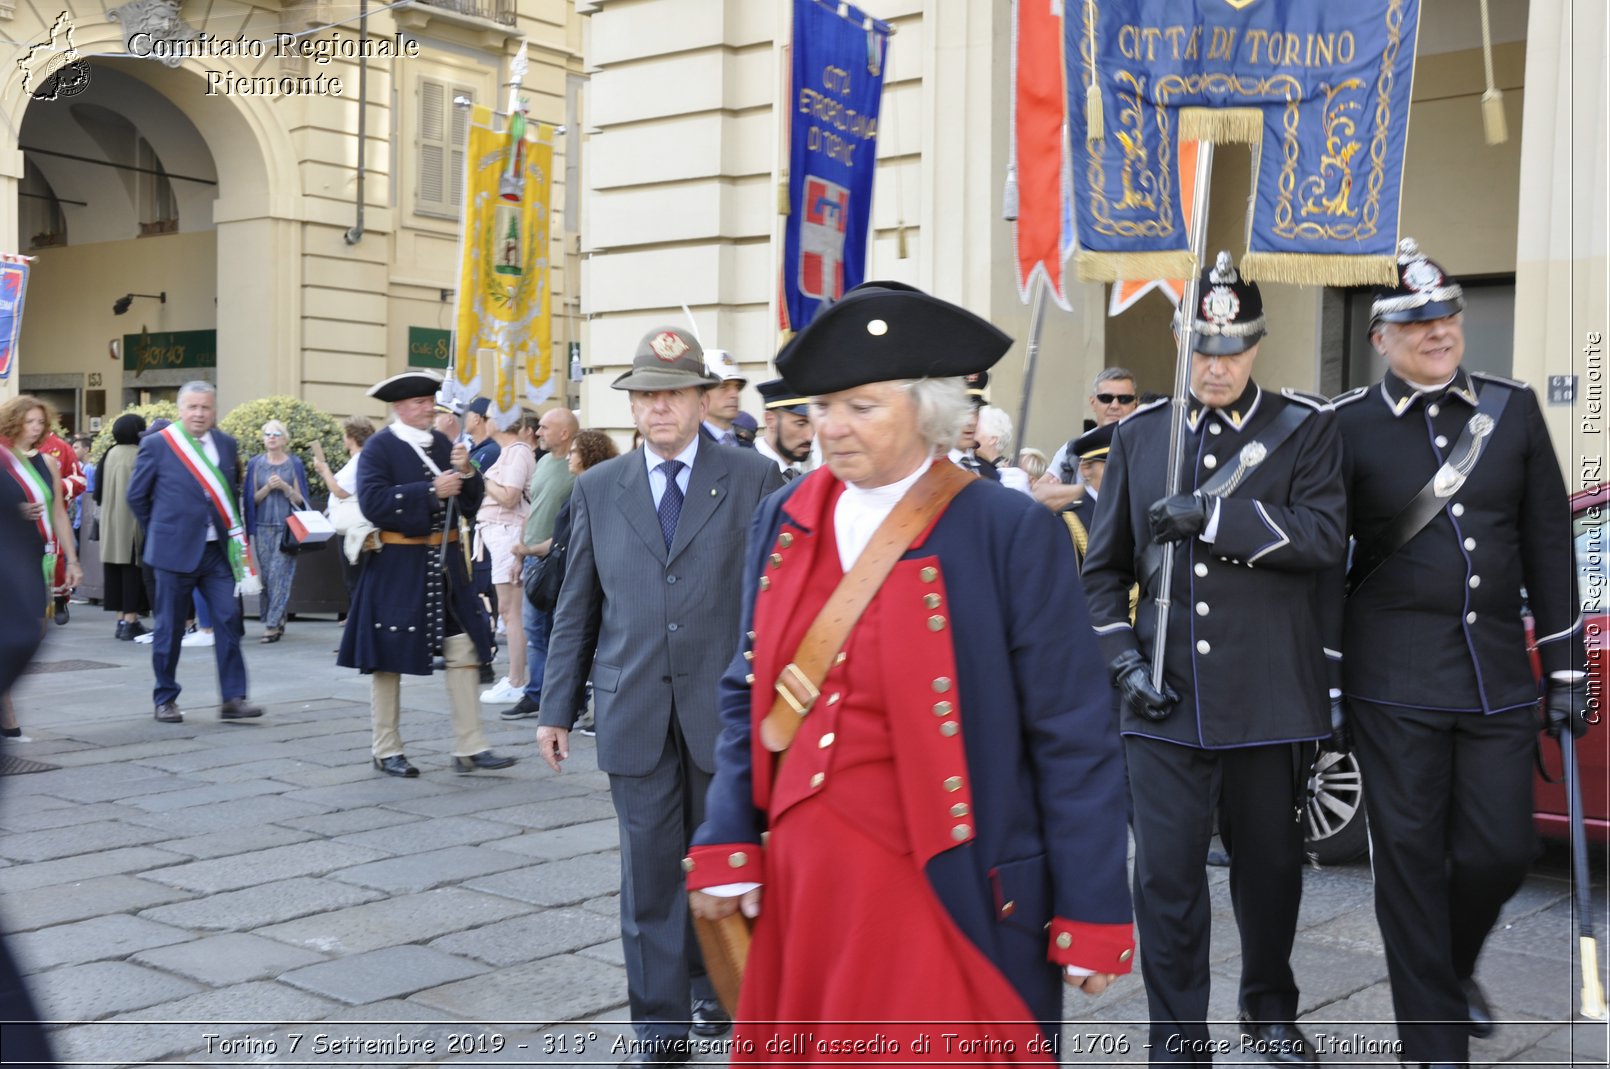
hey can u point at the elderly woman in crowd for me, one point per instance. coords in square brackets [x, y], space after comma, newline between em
[123, 591]
[276, 486]
[951, 808]
[24, 421]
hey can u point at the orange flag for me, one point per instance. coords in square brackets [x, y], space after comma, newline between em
[1035, 185]
[1125, 294]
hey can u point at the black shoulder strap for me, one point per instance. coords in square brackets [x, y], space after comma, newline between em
[1414, 516]
[1257, 451]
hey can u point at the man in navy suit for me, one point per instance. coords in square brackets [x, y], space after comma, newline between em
[183, 486]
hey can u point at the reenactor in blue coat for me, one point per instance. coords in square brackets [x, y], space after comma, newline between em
[1258, 527]
[1456, 503]
[414, 602]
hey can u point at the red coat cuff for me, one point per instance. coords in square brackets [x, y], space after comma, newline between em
[711, 866]
[1102, 948]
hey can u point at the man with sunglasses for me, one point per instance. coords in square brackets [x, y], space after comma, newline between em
[1112, 397]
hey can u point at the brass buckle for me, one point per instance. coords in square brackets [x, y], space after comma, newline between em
[791, 684]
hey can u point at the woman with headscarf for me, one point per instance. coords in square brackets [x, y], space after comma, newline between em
[944, 846]
[123, 592]
[276, 486]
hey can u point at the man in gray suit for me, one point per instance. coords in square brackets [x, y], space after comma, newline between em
[650, 606]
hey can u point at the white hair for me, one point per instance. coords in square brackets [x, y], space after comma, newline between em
[196, 386]
[942, 408]
[995, 423]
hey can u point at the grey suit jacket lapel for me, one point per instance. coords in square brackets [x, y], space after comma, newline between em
[707, 489]
[636, 502]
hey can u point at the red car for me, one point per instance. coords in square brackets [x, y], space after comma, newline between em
[1336, 831]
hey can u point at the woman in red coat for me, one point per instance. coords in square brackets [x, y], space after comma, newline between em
[944, 839]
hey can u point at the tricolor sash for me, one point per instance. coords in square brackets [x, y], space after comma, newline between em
[37, 490]
[205, 472]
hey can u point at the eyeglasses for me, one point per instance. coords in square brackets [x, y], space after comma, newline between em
[1116, 398]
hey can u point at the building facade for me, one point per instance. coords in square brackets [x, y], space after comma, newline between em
[276, 184]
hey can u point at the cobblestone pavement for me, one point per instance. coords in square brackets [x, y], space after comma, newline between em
[205, 892]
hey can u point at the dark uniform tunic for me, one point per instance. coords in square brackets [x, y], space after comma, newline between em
[1440, 688]
[403, 604]
[1246, 657]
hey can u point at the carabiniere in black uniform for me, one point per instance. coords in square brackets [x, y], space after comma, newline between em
[1440, 691]
[1245, 657]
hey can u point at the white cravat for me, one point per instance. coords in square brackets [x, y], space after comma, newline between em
[858, 513]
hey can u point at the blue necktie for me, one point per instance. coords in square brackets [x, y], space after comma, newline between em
[670, 501]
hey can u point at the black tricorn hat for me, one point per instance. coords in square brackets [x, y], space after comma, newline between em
[1094, 444]
[887, 330]
[1229, 311]
[408, 384]
[1424, 291]
[779, 396]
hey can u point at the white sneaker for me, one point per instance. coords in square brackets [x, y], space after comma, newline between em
[146, 639]
[197, 638]
[502, 691]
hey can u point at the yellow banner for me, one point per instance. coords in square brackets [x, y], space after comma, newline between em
[505, 317]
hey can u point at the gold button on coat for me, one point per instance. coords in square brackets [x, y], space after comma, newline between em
[943, 708]
[687, 864]
[942, 685]
[929, 574]
[949, 728]
[960, 832]
[776, 560]
[959, 809]
[818, 779]
[936, 623]
[738, 859]
[1064, 941]
[953, 783]
[825, 741]
[785, 540]
[765, 582]
[932, 600]
[1126, 955]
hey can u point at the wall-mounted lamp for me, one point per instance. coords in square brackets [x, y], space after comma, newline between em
[121, 305]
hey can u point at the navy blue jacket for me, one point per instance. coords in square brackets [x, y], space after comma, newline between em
[173, 509]
[388, 629]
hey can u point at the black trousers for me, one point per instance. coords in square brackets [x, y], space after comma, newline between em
[1449, 797]
[1175, 790]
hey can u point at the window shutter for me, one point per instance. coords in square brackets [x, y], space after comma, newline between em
[456, 147]
[432, 146]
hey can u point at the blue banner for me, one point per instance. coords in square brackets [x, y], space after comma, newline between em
[1320, 88]
[833, 151]
[13, 288]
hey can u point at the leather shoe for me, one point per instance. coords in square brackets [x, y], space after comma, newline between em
[396, 765]
[237, 709]
[486, 760]
[168, 713]
[709, 1019]
[1280, 1043]
[1481, 1014]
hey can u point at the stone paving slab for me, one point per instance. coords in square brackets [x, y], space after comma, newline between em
[261, 866]
[269, 904]
[201, 820]
[555, 812]
[351, 821]
[213, 757]
[44, 907]
[240, 841]
[564, 988]
[557, 883]
[100, 989]
[134, 751]
[431, 835]
[77, 839]
[68, 814]
[433, 868]
[394, 921]
[97, 789]
[379, 789]
[272, 768]
[477, 802]
[390, 972]
[534, 936]
[556, 844]
[231, 958]
[206, 794]
[113, 936]
[79, 867]
[610, 953]
[313, 774]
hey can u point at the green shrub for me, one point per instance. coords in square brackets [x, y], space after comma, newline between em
[305, 423]
[152, 412]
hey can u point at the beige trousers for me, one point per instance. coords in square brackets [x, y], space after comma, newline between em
[463, 677]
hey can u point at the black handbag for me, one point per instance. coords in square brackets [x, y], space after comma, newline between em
[543, 583]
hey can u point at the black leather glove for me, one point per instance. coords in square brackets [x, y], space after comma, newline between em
[1566, 704]
[1341, 733]
[1174, 519]
[1133, 677]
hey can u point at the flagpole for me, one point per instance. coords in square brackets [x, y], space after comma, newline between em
[1186, 332]
[1036, 321]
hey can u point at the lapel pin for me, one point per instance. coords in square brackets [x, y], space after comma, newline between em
[712, 491]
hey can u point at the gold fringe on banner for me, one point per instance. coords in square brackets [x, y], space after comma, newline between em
[1303, 269]
[1133, 266]
[1241, 126]
[1095, 121]
[1492, 117]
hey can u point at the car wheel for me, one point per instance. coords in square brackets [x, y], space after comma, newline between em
[1335, 810]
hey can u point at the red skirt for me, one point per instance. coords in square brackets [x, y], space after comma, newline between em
[855, 962]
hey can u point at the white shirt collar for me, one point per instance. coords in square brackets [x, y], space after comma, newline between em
[654, 460]
[859, 512]
[421, 438]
